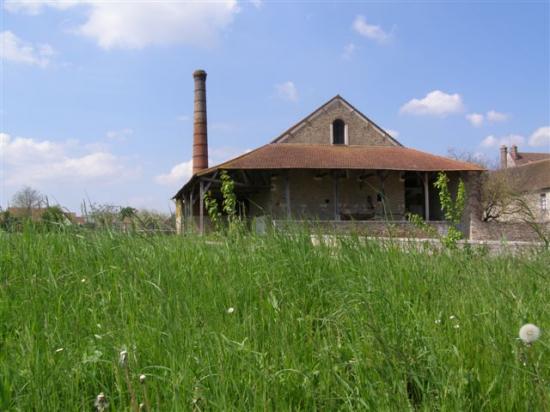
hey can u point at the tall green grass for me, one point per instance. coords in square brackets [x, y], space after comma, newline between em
[353, 327]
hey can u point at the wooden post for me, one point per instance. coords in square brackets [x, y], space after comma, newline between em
[179, 215]
[336, 206]
[426, 196]
[287, 196]
[382, 177]
[201, 207]
[191, 215]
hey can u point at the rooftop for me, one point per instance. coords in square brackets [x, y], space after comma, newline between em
[316, 156]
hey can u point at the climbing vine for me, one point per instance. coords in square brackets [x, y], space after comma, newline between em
[229, 205]
[453, 208]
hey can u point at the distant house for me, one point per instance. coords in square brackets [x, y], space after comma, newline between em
[528, 174]
[513, 158]
[335, 165]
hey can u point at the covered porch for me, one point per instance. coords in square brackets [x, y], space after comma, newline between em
[316, 195]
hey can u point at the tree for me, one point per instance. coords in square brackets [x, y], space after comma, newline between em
[28, 198]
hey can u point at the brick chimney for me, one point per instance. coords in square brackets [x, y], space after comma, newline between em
[514, 152]
[200, 135]
[503, 157]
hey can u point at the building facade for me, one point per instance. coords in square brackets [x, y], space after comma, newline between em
[335, 165]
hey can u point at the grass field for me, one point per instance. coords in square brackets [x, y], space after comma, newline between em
[311, 327]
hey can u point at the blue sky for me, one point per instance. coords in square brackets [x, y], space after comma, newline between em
[96, 97]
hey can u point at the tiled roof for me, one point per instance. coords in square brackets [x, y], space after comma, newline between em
[529, 177]
[315, 156]
[526, 157]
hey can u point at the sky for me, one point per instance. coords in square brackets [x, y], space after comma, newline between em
[97, 96]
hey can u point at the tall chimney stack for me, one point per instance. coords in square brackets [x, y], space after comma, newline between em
[503, 157]
[200, 135]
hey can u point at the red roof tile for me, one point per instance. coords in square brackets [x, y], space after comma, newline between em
[314, 156]
[528, 157]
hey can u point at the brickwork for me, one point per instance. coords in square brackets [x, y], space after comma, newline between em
[317, 129]
[312, 196]
[506, 231]
[389, 229]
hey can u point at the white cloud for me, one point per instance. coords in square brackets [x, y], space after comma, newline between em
[435, 103]
[182, 172]
[508, 140]
[393, 133]
[28, 161]
[120, 135]
[494, 116]
[287, 91]
[370, 31]
[349, 51]
[134, 25]
[34, 7]
[13, 49]
[540, 137]
[476, 119]
[179, 174]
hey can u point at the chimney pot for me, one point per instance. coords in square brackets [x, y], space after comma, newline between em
[503, 157]
[514, 152]
[200, 133]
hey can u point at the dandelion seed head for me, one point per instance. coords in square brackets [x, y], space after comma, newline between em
[529, 333]
[123, 358]
[456, 326]
[83, 280]
[101, 402]
[452, 317]
[437, 321]
[142, 378]
[230, 310]
[142, 406]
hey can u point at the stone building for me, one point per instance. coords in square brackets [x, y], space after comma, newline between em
[528, 175]
[334, 166]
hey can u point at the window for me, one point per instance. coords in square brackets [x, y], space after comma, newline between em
[543, 204]
[338, 132]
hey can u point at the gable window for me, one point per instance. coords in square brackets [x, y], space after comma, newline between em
[339, 132]
[543, 204]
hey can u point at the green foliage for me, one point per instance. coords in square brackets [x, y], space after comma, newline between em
[54, 217]
[452, 208]
[421, 224]
[349, 325]
[213, 211]
[229, 206]
[127, 212]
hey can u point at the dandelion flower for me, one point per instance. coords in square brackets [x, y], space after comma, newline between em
[529, 333]
[230, 310]
[142, 378]
[123, 358]
[101, 403]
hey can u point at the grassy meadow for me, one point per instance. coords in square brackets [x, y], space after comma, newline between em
[267, 323]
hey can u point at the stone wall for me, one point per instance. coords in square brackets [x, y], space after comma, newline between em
[317, 129]
[312, 196]
[507, 231]
[393, 229]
